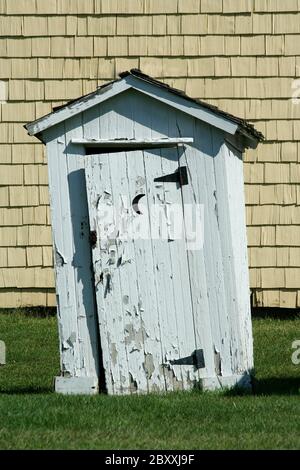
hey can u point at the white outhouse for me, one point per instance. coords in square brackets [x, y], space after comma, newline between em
[147, 203]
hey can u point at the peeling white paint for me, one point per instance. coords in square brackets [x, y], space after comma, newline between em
[156, 301]
[60, 260]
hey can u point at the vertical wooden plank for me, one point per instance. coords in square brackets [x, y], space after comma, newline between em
[122, 128]
[114, 119]
[113, 296]
[86, 313]
[93, 167]
[112, 126]
[176, 314]
[214, 263]
[125, 269]
[123, 107]
[179, 269]
[98, 123]
[163, 273]
[204, 264]
[108, 294]
[158, 377]
[111, 119]
[63, 252]
[145, 276]
[229, 168]
[180, 265]
[74, 286]
[148, 122]
[159, 200]
[226, 246]
[90, 123]
[235, 178]
[164, 124]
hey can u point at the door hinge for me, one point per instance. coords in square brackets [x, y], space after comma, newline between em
[180, 176]
[196, 359]
[93, 238]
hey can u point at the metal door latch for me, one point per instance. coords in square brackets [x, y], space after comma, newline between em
[180, 176]
[196, 359]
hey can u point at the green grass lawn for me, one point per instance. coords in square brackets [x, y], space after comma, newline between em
[33, 417]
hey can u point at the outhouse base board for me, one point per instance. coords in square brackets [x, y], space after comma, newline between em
[77, 385]
[222, 382]
[90, 386]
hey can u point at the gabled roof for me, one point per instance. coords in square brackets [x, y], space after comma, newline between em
[137, 80]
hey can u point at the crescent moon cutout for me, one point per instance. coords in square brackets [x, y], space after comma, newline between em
[135, 203]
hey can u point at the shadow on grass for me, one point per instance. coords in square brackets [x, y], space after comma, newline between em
[277, 386]
[276, 313]
[261, 387]
[26, 390]
[269, 386]
[34, 312]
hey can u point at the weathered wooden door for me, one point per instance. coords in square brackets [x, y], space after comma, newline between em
[142, 279]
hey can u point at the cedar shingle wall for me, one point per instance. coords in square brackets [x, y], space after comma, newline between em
[242, 55]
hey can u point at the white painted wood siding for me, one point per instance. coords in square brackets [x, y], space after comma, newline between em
[79, 348]
[142, 285]
[217, 276]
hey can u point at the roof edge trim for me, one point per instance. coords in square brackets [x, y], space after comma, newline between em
[135, 79]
